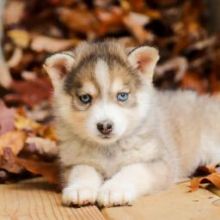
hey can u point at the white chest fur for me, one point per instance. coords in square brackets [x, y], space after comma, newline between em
[109, 159]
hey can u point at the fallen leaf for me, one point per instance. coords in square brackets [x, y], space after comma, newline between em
[48, 132]
[110, 19]
[5, 76]
[191, 81]
[7, 118]
[30, 92]
[14, 140]
[142, 35]
[78, 19]
[14, 12]
[24, 123]
[16, 57]
[50, 171]
[137, 5]
[14, 164]
[213, 178]
[52, 45]
[8, 162]
[21, 38]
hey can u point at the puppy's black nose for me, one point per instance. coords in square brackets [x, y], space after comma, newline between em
[105, 127]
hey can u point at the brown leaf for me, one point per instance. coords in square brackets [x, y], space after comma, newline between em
[14, 164]
[47, 132]
[191, 81]
[78, 19]
[16, 58]
[49, 171]
[109, 19]
[7, 118]
[5, 76]
[213, 178]
[137, 5]
[8, 162]
[136, 29]
[14, 12]
[14, 140]
[30, 92]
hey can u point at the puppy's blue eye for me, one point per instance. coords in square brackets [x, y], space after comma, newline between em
[122, 96]
[85, 99]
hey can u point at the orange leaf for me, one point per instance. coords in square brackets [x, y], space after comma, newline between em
[14, 140]
[213, 178]
[48, 170]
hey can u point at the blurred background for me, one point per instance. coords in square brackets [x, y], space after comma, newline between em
[186, 32]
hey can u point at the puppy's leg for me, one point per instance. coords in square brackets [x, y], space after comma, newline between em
[82, 186]
[132, 181]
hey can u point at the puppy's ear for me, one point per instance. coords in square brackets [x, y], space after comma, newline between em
[144, 59]
[57, 66]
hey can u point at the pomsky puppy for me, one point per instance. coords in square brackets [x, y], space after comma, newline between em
[120, 138]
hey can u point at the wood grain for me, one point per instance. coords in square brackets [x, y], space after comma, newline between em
[36, 200]
[173, 204]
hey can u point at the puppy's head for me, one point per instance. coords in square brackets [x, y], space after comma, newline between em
[102, 91]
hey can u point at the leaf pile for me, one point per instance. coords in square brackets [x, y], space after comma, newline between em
[33, 29]
[189, 54]
[26, 146]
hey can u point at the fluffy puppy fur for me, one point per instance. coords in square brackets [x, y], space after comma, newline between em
[120, 138]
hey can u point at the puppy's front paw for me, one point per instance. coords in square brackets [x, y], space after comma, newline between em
[113, 194]
[76, 195]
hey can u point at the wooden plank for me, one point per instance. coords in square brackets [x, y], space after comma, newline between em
[175, 203]
[36, 200]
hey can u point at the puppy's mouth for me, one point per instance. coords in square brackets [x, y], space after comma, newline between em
[106, 136]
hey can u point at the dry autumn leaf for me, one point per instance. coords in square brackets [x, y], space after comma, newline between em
[14, 140]
[213, 178]
[52, 45]
[109, 19]
[7, 118]
[137, 29]
[30, 92]
[50, 171]
[14, 12]
[13, 164]
[16, 58]
[24, 123]
[8, 163]
[192, 81]
[21, 38]
[47, 132]
[78, 19]
[207, 174]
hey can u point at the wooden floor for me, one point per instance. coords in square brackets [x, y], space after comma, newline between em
[37, 200]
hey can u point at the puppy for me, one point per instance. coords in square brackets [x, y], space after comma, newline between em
[120, 138]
